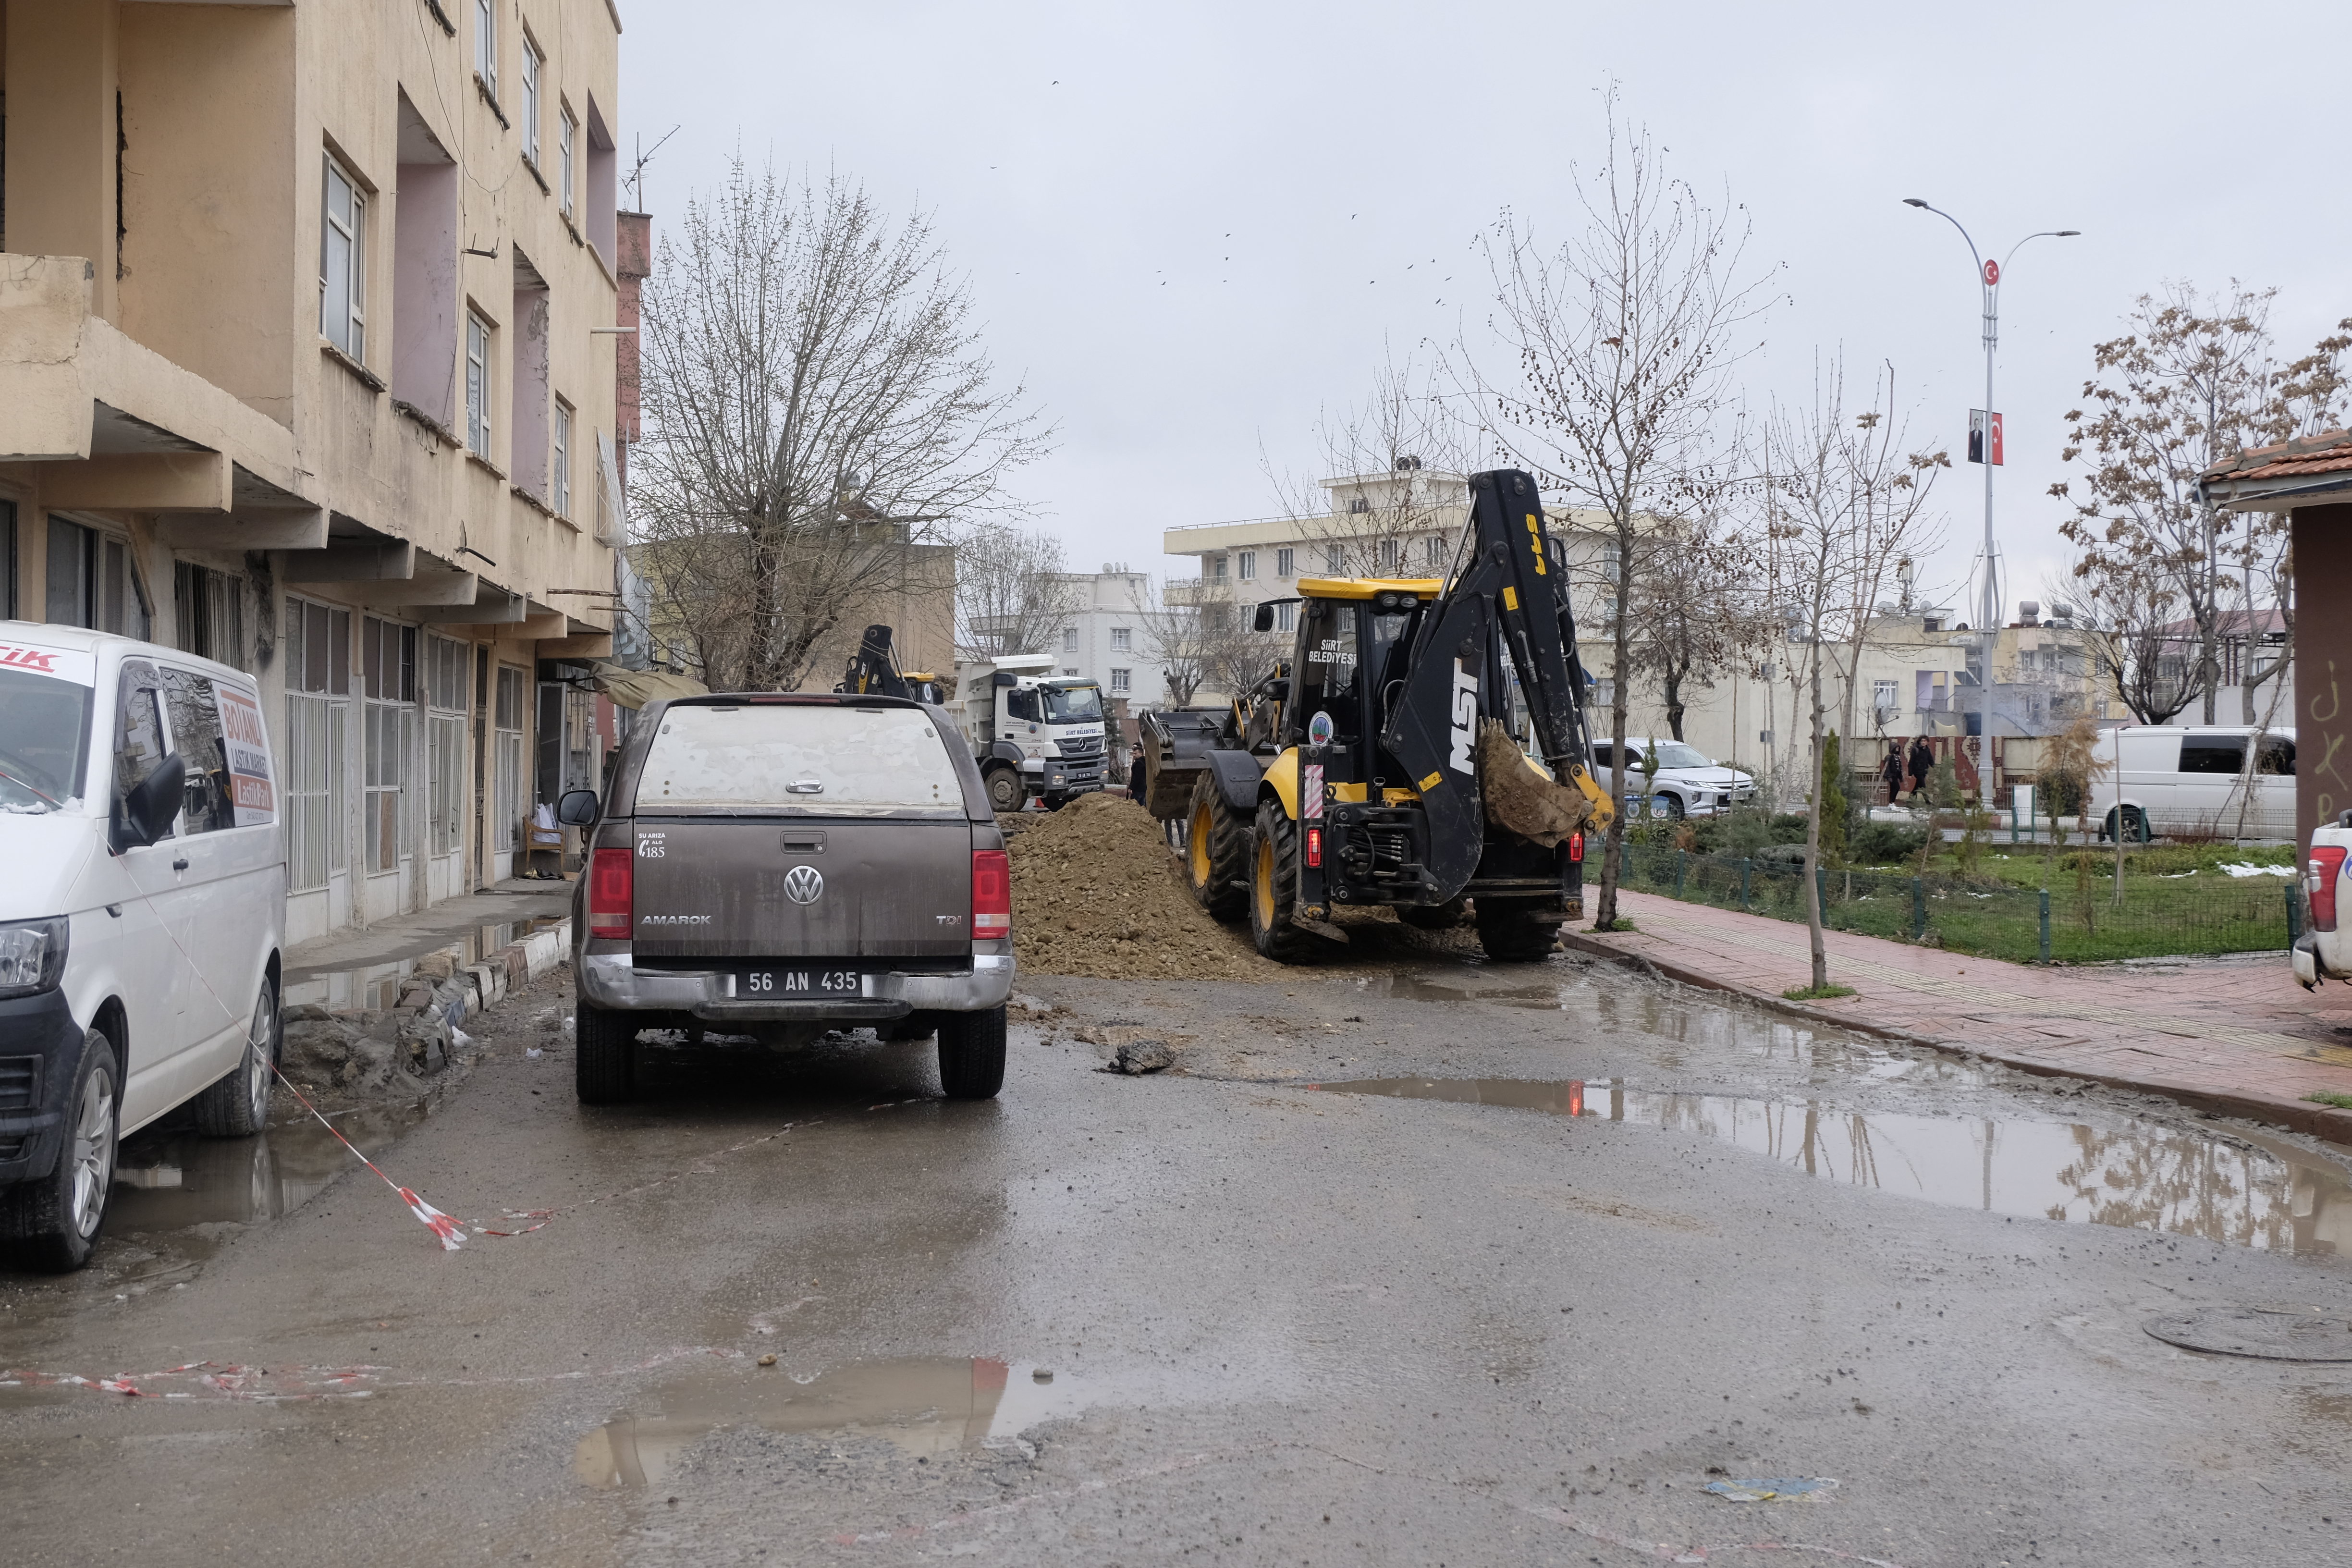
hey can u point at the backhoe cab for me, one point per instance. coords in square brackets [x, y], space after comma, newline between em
[1380, 765]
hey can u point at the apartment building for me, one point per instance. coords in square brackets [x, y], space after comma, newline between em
[1108, 638]
[306, 364]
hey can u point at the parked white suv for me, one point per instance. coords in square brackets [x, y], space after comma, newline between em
[140, 918]
[1688, 784]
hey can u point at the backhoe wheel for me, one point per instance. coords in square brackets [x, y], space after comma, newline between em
[1436, 917]
[1217, 853]
[1273, 887]
[1004, 789]
[1511, 934]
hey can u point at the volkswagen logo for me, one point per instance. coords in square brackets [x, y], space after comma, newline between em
[803, 884]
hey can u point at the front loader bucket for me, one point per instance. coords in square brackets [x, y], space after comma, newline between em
[1176, 746]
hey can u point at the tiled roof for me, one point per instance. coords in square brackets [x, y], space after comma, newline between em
[2329, 452]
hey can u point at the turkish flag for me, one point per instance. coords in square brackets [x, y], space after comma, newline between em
[1995, 453]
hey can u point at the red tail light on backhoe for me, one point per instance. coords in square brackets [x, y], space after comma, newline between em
[1576, 846]
[991, 895]
[612, 893]
[2326, 866]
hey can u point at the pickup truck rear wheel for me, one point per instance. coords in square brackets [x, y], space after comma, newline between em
[1004, 789]
[1217, 853]
[972, 1054]
[604, 1062]
[1509, 932]
[1273, 887]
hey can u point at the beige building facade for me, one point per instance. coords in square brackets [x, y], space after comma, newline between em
[306, 364]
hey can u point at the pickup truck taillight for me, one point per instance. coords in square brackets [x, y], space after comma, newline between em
[2327, 866]
[612, 893]
[991, 895]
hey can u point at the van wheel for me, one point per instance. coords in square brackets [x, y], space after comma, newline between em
[1273, 887]
[238, 1105]
[972, 1054]
[1004, 789]
[604, 1062]
[1217, 853]
[54, 1221]
[2135, 824]
[1509, 932]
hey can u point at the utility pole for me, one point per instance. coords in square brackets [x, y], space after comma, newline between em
[1988, 276]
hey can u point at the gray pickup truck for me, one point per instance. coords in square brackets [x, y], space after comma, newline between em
[782, 864]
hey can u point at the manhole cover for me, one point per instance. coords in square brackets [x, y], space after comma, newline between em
[2257, 1331]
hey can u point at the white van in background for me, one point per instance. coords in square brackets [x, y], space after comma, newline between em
[2161, 779]
[140, 916]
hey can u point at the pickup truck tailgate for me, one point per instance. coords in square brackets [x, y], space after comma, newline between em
[802, 887]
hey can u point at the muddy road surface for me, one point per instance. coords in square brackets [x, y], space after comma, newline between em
[1450, 1265]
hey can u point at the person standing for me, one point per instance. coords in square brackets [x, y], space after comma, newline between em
[1923, 763]
[1891, 772]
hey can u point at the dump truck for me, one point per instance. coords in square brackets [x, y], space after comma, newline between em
[1382, 764]
[1034, 737]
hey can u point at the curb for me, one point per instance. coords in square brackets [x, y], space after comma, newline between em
[2303, 1116]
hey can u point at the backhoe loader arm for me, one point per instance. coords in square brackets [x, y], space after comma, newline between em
[874, 672]
[1506, 580]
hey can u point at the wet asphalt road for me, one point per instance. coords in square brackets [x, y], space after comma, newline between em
[1215, 1314]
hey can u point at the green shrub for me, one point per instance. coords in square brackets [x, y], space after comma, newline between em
[1885, 842]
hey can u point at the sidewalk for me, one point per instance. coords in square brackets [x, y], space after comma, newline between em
[2232, 1035]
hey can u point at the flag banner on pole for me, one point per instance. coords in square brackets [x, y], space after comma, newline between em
[1976, 435]
[1996, 440]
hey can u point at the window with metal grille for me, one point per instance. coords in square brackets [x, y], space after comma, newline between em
[388, 674]
[211, 606]
[444, 744]
[506, 717]
[318, 655]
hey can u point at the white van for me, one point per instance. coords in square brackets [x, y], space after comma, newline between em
[2169, 779]
[140, 917]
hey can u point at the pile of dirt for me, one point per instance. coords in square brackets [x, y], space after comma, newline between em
[1095, 893]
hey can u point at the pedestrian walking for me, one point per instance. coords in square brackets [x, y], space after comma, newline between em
[1923, 763]
[1892, 771]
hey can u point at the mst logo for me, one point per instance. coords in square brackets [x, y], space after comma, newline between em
[803, 884]
[1466, 718]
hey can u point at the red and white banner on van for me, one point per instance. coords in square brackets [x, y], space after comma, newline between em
[63, 664]
[251, 789]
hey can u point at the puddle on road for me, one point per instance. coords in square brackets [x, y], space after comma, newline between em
[376, 986]
[170, 1180]
[1405, 986]
[927, 1406]
[2267, 1193]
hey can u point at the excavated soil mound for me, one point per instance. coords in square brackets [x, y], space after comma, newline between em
[1095, 893]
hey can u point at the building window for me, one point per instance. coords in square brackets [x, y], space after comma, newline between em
[92, 583]
[1434, 550]
[485, 43]
[1070, 672]
[506, 717]
[343, 263]
[1121, 679]
[1122, 638]
[317, 654]
[478, 385]
[1283, 559]
[1388, 555]
[444, 685]
[532, 60]
[1221, 568]
[567, 141]
[1883, 696]
[1332, 558]
[211, 606]
[1069, 640]
[388, 673]
[1249, 567]
[1285, 617]
[561, 459]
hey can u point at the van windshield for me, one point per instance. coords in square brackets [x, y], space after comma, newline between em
[44, 740]
[1073, 704]
[812, 759]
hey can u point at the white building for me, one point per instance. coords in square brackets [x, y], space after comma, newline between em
[1106, 641]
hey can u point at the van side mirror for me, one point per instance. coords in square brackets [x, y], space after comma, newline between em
[1263, 620]
[576, 807]
[146, 812]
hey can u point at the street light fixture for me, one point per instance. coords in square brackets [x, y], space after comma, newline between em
[1988, 277]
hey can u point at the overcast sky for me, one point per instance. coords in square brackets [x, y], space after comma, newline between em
[1191, 228]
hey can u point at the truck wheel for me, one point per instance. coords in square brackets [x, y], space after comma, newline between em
[1217, 857]
[1004, 789]
[604, 1062]
[972, 1054]
[1273, 887]
[53, 1222]
[238, 1106]
[1436, 917]
[1508, 933]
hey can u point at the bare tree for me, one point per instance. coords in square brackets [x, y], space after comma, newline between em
[817, 404]
[1843, 502]
[1197, 640]
[1408, 453]
[1698, 608]
[1624, 336]
[2131, 610]
[1013, 592]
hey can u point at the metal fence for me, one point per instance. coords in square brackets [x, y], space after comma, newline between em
[2065, 922]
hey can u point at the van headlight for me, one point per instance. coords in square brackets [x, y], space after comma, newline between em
[32, 955]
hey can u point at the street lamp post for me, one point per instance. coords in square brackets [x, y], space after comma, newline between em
[1988, 277]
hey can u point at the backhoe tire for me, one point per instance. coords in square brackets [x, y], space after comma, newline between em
[1273, 887]
[1217, 853]
[605, 1053]
[1446, 916]
[1508, 934]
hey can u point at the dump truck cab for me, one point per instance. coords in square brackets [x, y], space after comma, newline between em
[1035, 736]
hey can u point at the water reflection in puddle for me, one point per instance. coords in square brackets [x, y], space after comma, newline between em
[168, 1179]
[926, 1406]
[376, 986]
[2251, 1191]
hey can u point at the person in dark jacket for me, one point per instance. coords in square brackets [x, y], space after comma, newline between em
[1923, 763]
[1892, 771]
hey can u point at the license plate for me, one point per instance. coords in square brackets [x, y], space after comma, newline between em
[754, 984]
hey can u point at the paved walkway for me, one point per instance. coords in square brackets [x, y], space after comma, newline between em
[2235, 1035]
[431, 929]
